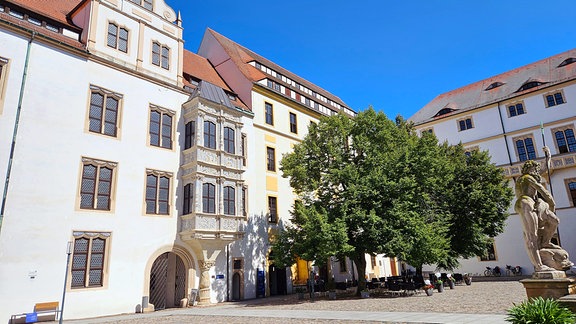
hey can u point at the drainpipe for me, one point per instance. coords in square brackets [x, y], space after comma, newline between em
[504, 133]
[228, 272]
[16, 121]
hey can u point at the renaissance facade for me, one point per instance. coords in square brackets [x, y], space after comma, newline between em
[139, 174]
[513, 116]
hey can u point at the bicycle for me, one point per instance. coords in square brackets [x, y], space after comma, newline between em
[513, 271]
[492, 272]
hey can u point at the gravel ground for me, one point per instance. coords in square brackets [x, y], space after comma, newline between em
[479, 298]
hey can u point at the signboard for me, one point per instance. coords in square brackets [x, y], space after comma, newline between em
[31, 317]
[219, 276]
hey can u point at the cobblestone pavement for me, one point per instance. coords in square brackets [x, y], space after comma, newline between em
[478, 298]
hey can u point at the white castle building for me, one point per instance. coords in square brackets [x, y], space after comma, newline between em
[513, 116]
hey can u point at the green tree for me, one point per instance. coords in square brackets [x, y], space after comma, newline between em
[369, 185]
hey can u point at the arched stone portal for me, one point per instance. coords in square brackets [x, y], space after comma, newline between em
[167, 281]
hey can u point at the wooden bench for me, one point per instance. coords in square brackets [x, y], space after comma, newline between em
[43, 312]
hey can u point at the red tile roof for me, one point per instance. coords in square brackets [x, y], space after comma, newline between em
[199, 67]
[475, 95]
[241, 56]
[54, 9]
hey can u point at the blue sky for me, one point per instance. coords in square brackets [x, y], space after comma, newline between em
[393, 55]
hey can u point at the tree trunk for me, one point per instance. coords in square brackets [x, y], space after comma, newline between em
[418, 271]
[360, 262]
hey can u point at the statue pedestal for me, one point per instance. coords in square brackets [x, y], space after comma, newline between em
[549, 284]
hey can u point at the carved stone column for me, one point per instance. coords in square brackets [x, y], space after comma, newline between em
[205, 267]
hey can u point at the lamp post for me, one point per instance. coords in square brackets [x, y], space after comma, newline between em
[68, 251]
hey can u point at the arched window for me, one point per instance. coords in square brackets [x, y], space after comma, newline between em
[565, 141]
[525, 149]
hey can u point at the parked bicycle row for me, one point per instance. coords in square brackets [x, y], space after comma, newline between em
[497, 271]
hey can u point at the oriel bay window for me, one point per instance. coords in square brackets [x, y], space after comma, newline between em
[188, 199]
[96, 185]
[88, 259]
[209, 134]
[229, 200]
[158, 192]
[208, 198]
[229, 146]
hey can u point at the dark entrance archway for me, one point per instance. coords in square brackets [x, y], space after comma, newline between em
[236, 286]
[167, 281]
[277, 280]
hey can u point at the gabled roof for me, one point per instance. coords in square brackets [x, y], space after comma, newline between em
[501, 87]
[241, 56]
[199, 67]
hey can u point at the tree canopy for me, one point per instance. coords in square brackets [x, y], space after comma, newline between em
[369, 185]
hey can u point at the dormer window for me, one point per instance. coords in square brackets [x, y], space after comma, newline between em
[444, 111]
[494, 85]
[529, 85]
[144, 3]
[567, 61]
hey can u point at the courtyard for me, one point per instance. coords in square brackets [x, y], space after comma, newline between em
[480, 298]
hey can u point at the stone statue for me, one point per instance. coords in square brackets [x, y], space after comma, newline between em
[536, 207]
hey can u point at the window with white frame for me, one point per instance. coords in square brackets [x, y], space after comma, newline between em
[88, 259]
[97, 184]
[158, 192]
[161, 127]
[104, 111]
[117, 37]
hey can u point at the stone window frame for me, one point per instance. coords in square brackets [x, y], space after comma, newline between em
[229, 200]
[4, 69]
[118, 38]
[562, 129]
[464, 119]
[94, 89]
[523, 138]
[489, 258]
[207, 198]
[158, 57]
[515, 104]
[427, 130]
[158, 174]
[554, 93]
[571, 198]
[161, 136]
[87, 269]
[112, 196]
